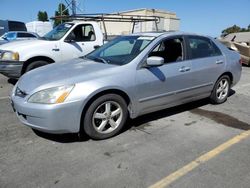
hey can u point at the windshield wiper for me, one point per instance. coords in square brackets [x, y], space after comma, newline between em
[43, 38]
[102, 60]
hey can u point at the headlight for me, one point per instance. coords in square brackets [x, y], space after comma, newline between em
[9, 56]
[51, 96]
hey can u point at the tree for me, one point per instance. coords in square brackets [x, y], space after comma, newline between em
[42, 16]
[62, 11]
[233, 29]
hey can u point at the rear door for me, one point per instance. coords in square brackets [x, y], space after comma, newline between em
[208, 63]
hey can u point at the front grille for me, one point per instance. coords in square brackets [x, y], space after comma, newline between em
[20, 93]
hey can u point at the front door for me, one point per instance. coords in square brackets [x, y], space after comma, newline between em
[167, 84]
[79, 42]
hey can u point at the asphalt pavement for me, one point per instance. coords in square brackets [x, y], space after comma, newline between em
[150, 150]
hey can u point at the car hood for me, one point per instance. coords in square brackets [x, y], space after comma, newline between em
[62, 73]
[3, 42]
[17, 45]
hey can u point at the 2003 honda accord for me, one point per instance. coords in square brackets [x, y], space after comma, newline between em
[127, 77]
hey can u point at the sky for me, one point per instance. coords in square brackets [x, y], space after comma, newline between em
[208, 17]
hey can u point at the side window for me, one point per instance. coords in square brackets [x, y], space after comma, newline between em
[88, 33]
[171, 50]
[201, 47]
[25, 35]
[28, 35]
[83, 33]
[20, 35]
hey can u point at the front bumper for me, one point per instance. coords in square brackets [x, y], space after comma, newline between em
[11, 69]
[56, 118]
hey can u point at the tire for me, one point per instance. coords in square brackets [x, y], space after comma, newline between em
[35, 65]
[221, 90]
[105, 117]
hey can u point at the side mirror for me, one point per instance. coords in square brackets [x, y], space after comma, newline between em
[154, 61]
[70, 38]
[96, 47]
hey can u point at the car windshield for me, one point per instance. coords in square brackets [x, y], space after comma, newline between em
[121, 50]
[58, 32]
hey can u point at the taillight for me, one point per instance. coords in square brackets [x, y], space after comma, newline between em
[241, 61]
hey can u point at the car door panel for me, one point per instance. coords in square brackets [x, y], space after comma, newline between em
[158, 87]
[208, 63]
[206, 72]
[81, 44]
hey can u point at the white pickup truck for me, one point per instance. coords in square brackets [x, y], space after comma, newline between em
[66, 41]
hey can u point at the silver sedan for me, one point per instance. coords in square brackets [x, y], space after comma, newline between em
[127, 77]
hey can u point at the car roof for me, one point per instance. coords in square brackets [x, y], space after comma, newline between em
[165, 33]
[23, 32]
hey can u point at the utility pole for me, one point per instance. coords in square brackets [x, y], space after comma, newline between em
[73, 2]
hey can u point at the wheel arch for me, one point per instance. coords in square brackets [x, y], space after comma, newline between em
[37, 58]
[119, 92]
[229, 74]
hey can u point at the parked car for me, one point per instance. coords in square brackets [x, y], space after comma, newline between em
[127, 77]
[64, 42]
[8, 25]
[17, 35]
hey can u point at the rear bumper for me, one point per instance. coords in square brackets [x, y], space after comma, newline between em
[11, 69]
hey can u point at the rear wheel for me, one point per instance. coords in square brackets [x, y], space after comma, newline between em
[35, 65]
[221, 90]
[105, 117]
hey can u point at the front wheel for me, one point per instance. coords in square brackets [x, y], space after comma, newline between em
[35, 65]
[105, 117]
[221, 90]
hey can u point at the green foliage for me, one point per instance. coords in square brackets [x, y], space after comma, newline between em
[62, 11]
[235, 29]
[42, 16]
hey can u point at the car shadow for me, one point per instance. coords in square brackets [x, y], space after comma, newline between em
[143, 121]
[132, 124]
[62, 138]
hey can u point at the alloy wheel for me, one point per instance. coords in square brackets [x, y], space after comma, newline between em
[222, 89]
[107, 117]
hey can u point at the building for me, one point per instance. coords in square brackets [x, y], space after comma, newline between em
[166, 21]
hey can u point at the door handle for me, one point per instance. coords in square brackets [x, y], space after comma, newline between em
[184, 69]
[56, 49]
[219, 62]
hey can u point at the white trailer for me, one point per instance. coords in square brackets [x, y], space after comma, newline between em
[39, 27]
